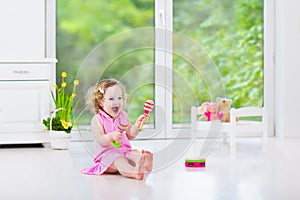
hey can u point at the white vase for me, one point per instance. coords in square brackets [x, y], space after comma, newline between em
[59, 140]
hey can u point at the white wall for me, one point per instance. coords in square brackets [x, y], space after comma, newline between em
[287, 68]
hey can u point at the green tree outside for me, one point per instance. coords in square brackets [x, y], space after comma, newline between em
[230, 30]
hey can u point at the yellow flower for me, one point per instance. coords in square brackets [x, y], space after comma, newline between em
[64, 100]
[64, 74]
[76, 82]
[65, 124]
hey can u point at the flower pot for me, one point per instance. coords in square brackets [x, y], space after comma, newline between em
[59, 140]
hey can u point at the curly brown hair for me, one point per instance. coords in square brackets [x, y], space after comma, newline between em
[100, 89]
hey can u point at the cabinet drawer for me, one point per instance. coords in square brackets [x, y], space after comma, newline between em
[25, 71]
[23, 105]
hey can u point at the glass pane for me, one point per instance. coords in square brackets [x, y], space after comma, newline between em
[231, 33]
[99, 39]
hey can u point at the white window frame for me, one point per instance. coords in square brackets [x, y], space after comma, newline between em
[269, 62]
[163, 61]
[163, 77]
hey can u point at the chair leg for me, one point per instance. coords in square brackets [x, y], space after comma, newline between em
[233, 140]
[224, 137]
[264, 139]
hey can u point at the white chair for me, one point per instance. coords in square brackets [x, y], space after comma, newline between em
[207, 128]
[246, 126]
[233, 127]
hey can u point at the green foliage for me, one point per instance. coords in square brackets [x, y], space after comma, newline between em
[230, 30]
[56, 125]
[232, 33]
[63, 120]
[82, 25]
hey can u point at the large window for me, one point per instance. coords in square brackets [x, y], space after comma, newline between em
[179, 53]
[96, 40]
[232, 32]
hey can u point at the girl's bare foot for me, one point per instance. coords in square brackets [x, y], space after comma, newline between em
[126, 169]
[139, 174]
[148, 160]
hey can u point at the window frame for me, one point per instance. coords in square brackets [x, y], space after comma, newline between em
[163, 11]
[163, 60]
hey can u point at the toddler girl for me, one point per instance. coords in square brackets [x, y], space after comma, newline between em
[113, 152]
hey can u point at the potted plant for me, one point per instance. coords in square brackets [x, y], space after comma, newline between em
[61, 120]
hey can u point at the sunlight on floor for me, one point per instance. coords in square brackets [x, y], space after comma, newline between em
[247, 173]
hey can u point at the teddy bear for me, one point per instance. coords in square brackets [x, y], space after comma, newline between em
[210, 111]
[224, 107]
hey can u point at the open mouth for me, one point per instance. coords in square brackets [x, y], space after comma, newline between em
[115, 109]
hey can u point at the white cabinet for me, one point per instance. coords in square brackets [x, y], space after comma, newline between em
[23, 28]
[25, 100]
[27, 69]
[22, 105]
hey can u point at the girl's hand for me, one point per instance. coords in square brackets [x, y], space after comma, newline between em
[142, 119]
[136, 128]
[116, 135]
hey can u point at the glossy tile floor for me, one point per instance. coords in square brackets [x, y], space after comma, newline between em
[247, 173]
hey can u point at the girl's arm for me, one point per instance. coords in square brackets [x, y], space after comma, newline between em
[98, 133]
[133, 130]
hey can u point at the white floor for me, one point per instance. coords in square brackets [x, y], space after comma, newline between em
[247, 173]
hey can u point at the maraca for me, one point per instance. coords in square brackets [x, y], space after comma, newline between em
[122, 125]
[148, 106]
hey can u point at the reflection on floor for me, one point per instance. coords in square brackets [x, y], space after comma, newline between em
[247, 173]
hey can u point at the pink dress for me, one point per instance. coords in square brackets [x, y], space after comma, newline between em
[105, 156]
